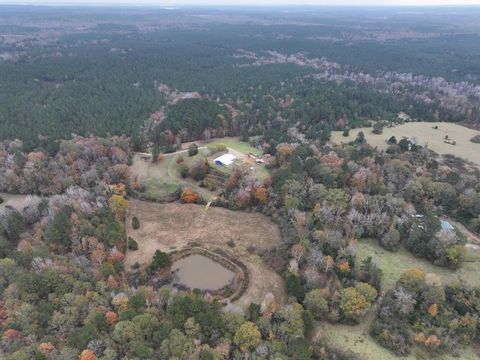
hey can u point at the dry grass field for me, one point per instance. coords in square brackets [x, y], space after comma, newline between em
[425, 135]
[17, 201]
[169, 227]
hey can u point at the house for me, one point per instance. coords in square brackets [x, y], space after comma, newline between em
[225, 160]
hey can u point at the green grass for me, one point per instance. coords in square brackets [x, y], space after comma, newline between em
[243, 147]
[356, 339]
[393, 264]
[158, 189]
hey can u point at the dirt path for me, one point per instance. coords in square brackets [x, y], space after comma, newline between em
[471, 236]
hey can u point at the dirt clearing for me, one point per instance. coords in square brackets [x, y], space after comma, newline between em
[169, 227]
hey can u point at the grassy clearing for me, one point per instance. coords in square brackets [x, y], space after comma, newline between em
[356, 339]
[157, 188]
[173, 226]
[17, 201]
[162, 178]
[394, 264]
[237, 145]
[425, 135]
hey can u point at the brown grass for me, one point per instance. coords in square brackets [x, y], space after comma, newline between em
[169, 227]
[425, 135]
[18, 202]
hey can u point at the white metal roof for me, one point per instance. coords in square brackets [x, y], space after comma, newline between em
[226, 159]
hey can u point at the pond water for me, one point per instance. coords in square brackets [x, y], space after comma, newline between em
[200, 272]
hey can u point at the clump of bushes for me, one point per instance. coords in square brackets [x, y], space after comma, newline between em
[377, 128]
[441, 246]
[132, 244]
[189, 196]
[475, 139]
[135, 223]
[391, 240]
[161, 260]
[215, 148]
[421, 312]
[192, 150]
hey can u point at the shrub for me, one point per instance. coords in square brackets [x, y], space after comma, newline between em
[353, 304]
[184, 171]
[346, 133]
[135, 223]
[368, 291]
[316, 303]
[475, 139]
[161, 260]
[189, 196]
[412, 279]
[132, 244]
[377, 128]
[192, 150]
[392, 140]
[247, 336]
[360, 139]
[391, 240]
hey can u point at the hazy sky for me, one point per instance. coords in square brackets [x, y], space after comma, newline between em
[252, 2]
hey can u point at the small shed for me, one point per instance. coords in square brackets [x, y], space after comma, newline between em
[446, 225]
[225, 160]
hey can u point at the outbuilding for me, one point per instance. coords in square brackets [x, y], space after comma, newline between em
[225, 160]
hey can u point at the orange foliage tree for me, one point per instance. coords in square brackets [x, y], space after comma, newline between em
[87, 354]
[111, 317]
[46, 348]
[11, 335]
[260, 194]
[189, 196]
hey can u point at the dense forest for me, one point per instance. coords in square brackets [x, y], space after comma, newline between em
[105, 78]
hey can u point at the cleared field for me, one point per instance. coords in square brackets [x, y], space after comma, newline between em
[169, 227]
[394, 264]
[424, 134]
[17, 201]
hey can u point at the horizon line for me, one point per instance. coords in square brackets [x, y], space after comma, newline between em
[219, 5]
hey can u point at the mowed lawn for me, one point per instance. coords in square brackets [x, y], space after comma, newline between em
[425, 135]
[393, 264]
[237, 145]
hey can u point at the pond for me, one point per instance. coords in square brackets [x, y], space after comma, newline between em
[200, 272]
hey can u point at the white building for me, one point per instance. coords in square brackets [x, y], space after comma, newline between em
[225, 160]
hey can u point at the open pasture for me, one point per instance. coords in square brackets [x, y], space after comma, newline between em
[170, 227]
[424, 134]
[393, 264]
